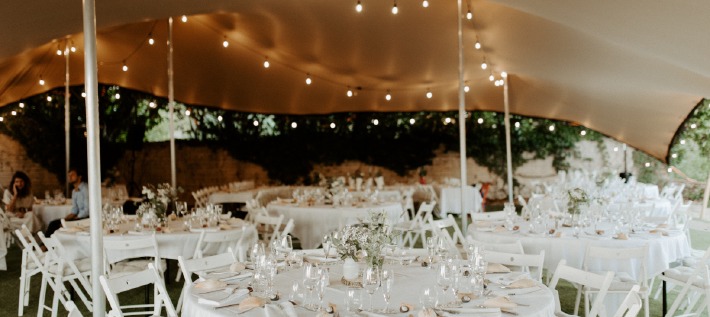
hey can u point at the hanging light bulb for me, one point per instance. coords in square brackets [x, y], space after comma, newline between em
[49, 98]
[187, 112]
[22, 105]
[256, 123]
[308, 79]
[469, 15]
[682, 141]
[83, 94]
[294, 125]
[411, 121]
[375, 122]
[670, 170]
[117, 96]
[125, 67]
[1, 119]
[151, 104]
[225, 43]
[266, 62]
[358, 6]
[552, 128]
[41, 81]
[429, 94]
[350, 92]
[59, 52]
[151, 41]
[388, 96]
[395, 10]
[693, 126]
[484, 65]
[517, 125]
[504, 74]
[219, 118]
[73, 49]
[674, 155]
[491, 77]
[447, 120]
[583, 132]
[466, 88]
[480, 120]
[647, 164]
[183, 19]
[425, 3]
[14, 113]
[616, 149]
[332, 125]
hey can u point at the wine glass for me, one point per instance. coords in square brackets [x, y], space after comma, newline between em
[327, 242]
[310, 279]
[444, 277]
[371, 281]
[286, 246]
[323, 281]
[427, 298]
[431, 243]
[386, 283]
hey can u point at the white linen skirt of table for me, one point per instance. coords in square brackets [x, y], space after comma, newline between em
[409, 281]
[231, 197]
[313, 222]
[170, 245]
[450, 200]
[47, 213]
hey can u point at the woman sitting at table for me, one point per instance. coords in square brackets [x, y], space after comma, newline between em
[18, 200]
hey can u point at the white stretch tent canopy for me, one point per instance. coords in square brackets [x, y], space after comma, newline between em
[632, 70]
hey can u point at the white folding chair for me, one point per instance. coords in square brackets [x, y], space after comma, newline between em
[417, 227]
[290, 224]
[531, 263]
[211, 243]
[32, 262]
[268, 227]
[629, 265]
[443, 227]
[113, 286]
[58, 269]
[584, 279]
[248, 239]
[631, 305]
[694, 282]
[511, 247]
[188, 267]
[72, 310]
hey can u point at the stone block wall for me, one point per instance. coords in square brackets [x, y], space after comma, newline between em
[13, 157]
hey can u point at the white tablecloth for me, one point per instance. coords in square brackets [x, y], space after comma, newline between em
[450, 200]
[408, 284]
[231, 197]
[170, 245]
[313, 222]
[47, 213]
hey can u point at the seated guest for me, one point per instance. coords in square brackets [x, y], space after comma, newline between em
[79, 201]
[18, 200]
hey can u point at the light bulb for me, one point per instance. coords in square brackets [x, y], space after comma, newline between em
[117, 96]
[22, 105]
[674, 155]
[504, 74]
[429, 94]
[294, 125]
[425, 3]
[266, 63]
[219, 118]
[375, 122]
[693, 126]
[411, 121]
[388, 96]
[225, 43]
[187, 112]
[491, 77]
[350, 92]
[480, 120]
[125, 67]
[477, 45]
[469, 15]
[14, 113]
[1, 119]
[466, 88]
[517, 125]
[583, 132]
[183, 19]
[447, 120]
[358, 6]
[332, 125]
[670, 170]
[49, 98]
[151, 41]
[59, 52]
[256, 123]
[647, 164]
[41, 82]
[616, 149]
[151, 104]
[394, 9]
[552, 127]
[73, 49]
[484, 65]
[682, 141]
[83, 94]
[308, 79]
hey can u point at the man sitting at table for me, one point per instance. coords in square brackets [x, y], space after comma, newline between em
[79, 201]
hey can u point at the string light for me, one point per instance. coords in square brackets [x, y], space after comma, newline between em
[117, 96]
[151, 104]
[425, 3]
[266, 62]
[674, 155]
[447, 120]
[583, 132]
[83, 94]
[411, 121]
[388, 96]
[225, 43]
[22, 105]
[308, 79]
[219, 118]
[1, 119]
[504, 74]
[187, 112]
[693, 126]
[49, 98]
[375, 122]
[484, 65]
[350, 92]
[466, 88]
[616, 149]
[358, 6]
[183, 19]
[332, 125]
[647, 164]
[59, 52]
[552, 128]
[395, 10]
[73, 49]
[41, 81]
[517, 125]
[429, 94]
[469, 15]
[14, 113]
[256, 123]
[477, 45]
[670, 170]
[682, 142]
[480, 120]
[125, 67]
[491, 77]
[294, 125]
[151, 41]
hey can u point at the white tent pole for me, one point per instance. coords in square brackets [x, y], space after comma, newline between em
[67, 121]
[706, 197]
[93, 155]
[508, 152]
[462, 123]
[171, 104]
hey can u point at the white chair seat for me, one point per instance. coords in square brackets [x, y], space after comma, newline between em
[83, 265]
[683, 273]
[132, 266]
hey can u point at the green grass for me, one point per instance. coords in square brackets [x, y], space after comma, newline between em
[10, 282]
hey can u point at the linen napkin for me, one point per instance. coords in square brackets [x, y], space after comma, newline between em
[522, 283]
[236, 222]
[225, 226]
[500, 302]
[497, 268]
[223, 298]
[251, 302]
[273, 310]
[474, 311]
[208, 285]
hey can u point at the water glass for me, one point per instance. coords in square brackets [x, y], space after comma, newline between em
[386, 283]
[353, 299]
[427, 298]
[371, 281]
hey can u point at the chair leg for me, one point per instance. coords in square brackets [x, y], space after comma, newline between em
[23, 284]
[42, 292]
[577, 300]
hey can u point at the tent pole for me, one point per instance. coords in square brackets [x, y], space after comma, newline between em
[171, 104]
[462, 123]
[67, 119]
[93, 155]
[508, 152]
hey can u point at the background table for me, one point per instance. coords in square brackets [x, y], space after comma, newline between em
[231, 197]
[313, 222]
[450, 200]
[47, 213]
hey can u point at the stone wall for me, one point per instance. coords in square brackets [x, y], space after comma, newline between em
[13, 157]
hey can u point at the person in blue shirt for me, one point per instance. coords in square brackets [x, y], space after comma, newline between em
[79, 201]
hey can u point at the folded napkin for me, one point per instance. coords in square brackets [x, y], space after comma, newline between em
[659, 231]
[284, 309]
[500, 229]
[237, 267]
[225, 226]
[225, 276]
[522, 283]
[251, 302]
[225, 297]
[497, 268]
[473, 311]
[236, 222]
[621, 236]
[209, 285]
[207, 229]
[500, 302]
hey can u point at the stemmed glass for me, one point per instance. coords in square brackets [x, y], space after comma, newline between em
[431, 243]
[285, 246]
[327, 242]
[323, 281]
[371, 281]
[386, 283]
[310, 280]
[444, 278]
[427, 298]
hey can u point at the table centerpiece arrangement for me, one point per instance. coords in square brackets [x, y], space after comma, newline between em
[363, 243]
[154, 209]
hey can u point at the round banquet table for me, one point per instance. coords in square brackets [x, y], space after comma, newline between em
[313, 222]
[662, 250]
[47, 213]
[179, 242]
[409, 281]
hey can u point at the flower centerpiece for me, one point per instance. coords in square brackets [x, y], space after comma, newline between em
[364, 241]
[158, 198]
[576, 197]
